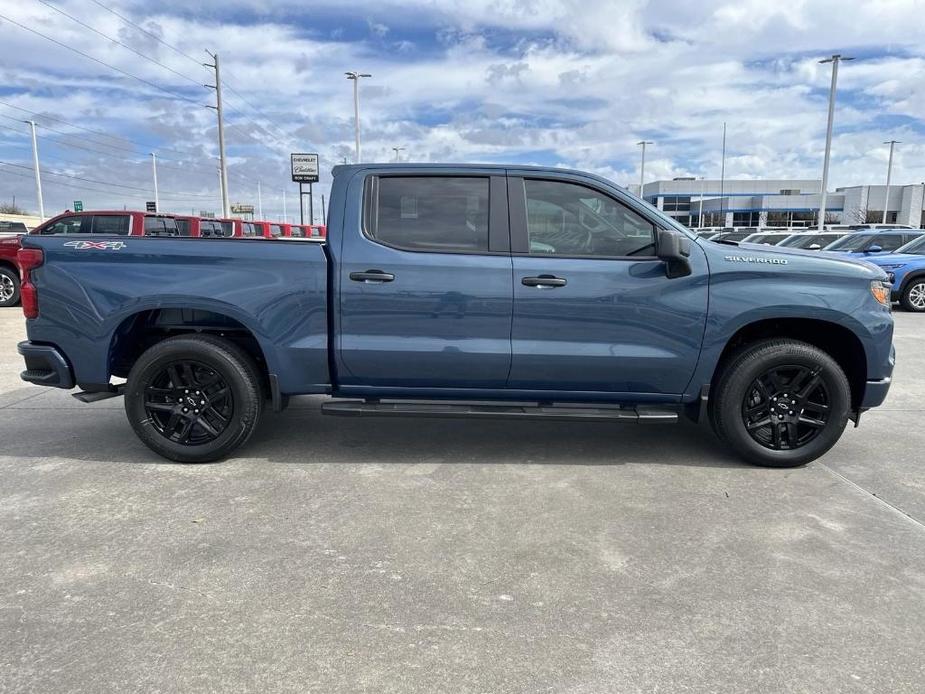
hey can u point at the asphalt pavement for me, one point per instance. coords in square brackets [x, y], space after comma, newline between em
[402, 555]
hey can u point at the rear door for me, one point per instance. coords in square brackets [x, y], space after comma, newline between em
[425, 292]
[593, 309]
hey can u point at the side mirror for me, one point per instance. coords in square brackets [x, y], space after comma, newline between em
[675, 249]
[874, 249]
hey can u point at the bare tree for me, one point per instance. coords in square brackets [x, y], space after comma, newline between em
[9, 208]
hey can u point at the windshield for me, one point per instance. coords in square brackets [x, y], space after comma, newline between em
[851, 242]
[917, 246]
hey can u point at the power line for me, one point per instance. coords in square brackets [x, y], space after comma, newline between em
[105, 183]
[176, 95]
[118, 42]
[145, 31]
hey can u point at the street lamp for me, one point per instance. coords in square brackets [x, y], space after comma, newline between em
[642, 164]
[397, 151]
[355, 76]
[889, 173]
[835, 60]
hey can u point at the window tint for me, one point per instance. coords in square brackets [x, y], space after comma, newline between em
[248, 229]
[13, 227]
[572, 220]
[111, 224]
[161, 226]
[276, 230]
[183, 227]
[435, 213]
[888, 242]
[210, 230]
[851, 242]
[65, 225]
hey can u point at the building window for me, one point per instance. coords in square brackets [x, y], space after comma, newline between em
[676, 203]
[790, 191]
[745, 219]
[778, 219]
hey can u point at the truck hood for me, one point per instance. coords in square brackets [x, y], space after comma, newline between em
[762, 254]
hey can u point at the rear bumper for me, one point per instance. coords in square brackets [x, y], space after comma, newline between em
[45, 365]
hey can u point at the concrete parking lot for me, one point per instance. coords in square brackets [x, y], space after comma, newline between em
[341, 555]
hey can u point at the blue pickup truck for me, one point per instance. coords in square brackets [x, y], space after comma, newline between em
[471, 291]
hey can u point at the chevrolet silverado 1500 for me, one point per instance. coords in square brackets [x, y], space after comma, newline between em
[477, 291]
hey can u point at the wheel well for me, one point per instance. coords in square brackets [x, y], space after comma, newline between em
[10, 266]
[141, 330]
[836, 340]
[907, 280]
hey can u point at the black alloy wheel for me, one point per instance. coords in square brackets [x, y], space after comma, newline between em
[189, 403]
[786, 407]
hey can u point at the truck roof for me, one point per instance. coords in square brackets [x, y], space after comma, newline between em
[346, 169]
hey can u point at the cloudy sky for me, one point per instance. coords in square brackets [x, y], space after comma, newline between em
[560, 82]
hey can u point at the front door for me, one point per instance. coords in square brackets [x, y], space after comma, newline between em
[593, 308]
[425, 284]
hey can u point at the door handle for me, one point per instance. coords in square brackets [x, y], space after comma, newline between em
[544, 281]
[372, 276]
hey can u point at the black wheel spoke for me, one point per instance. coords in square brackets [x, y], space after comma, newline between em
[181, 407]
[786, 407]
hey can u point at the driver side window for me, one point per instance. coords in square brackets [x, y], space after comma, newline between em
[568, 219]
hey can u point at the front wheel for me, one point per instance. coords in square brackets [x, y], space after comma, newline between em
[9, 287]
[913, 296]
[194, 398]
[781, 403]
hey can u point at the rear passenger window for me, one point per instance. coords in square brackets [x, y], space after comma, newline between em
[183, 227]
[248, 229]
[429, 213]
[65, 225]
[111, 224]
[161, 226]
[227, 229]
[210, 230]
[298, 232]
[276, 230]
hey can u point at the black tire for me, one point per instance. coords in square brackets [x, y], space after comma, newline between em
[164, 389]
[9, 287]
[751, 389]
[913, 295]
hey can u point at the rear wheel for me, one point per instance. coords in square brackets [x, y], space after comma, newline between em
[781, 403]
[194, 398]
[9, 287]
[913, 296]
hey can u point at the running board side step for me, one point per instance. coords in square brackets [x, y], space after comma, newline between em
[375, 408]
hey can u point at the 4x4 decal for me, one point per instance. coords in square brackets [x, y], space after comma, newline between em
[96, 245]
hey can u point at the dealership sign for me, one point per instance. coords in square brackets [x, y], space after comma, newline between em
[304, 168]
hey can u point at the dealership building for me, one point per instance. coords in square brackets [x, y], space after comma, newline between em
[781, 202]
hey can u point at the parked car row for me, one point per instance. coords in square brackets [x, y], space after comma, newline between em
[134, 223]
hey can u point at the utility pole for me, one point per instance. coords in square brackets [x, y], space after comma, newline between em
[35, 167]
[221, 129]
[642, 165]
[835, 60]
[259, 202]
[355, 76]
[889, 173]
[157, 204]
[324, 215]
[700, 213]
[397, 151]
[722, 179]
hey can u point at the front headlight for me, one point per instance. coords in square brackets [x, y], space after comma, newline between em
[881, 292]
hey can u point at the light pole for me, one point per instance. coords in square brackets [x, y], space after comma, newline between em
[835, 60]
[355, 76]
[642, 164]
[223, 163]
[38, 175]
[398, 151]
[157, 205]
[889, 173]
[700, 213]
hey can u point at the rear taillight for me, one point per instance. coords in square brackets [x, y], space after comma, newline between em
[29, 259]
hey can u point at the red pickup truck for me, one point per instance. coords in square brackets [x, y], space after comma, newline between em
[9, 271]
